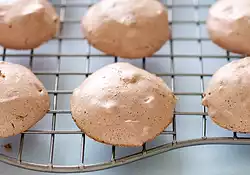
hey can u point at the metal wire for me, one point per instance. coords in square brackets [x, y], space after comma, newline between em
[173, 85]
[176, 56]
[204, 119]
[50, 166]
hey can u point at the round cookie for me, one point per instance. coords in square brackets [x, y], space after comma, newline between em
[23, 99]
[123, 105]
[127, 28]
[26, 24]
[228, 97]
[228, 25]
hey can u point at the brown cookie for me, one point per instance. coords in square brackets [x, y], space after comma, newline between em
[228, 97]
[123, 105]
[23, 99]
[26, 24]
[127, 28]
[228, 25]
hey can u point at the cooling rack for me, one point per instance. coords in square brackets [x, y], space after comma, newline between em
[186, 63]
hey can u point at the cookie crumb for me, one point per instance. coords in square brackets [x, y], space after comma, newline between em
[8, 147]
[1, 74]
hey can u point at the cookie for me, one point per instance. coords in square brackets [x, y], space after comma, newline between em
[123, 105]
[228, 97]
[23, 99]
[228, 25]
[26, 24]
[127, 28]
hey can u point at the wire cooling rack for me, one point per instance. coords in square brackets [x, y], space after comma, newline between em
[186, 63]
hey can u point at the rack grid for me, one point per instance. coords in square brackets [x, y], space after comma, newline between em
[67, 60]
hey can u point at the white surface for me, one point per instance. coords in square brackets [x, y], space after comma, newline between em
[189, 161]
[205, 160]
